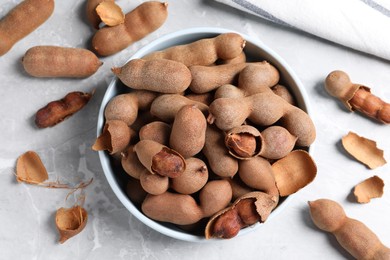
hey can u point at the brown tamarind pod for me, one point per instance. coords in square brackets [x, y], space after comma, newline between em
[245, 211]
[192, 179]
[139, 22]
[257, 173]
[188, 131]
[357, 97]
[204, 51]
[22, 20]
[159, 159]
[58, 110]
[208, 78]
[215, 196]
[157, 131]
[352, 234]
[165, 107]
[283, 92]
[220, 161]
[263, 109]
[258, 77]
[243, 142]
[277, 142]
[154, 184]
[181, 209]
[126, 106]
[163, 76]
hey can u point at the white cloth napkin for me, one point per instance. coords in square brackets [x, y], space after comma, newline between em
[363, 25]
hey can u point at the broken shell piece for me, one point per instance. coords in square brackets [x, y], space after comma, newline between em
[30, 169]
[364, 150]
[160, 159]
[115, 137]
[294, 172]
[247, 210]
[70, 221]
[369, 189]
[243, 142]
[110, 13]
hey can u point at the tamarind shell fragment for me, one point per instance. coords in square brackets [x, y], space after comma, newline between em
[58, 110]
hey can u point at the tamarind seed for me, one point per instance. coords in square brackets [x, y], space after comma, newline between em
[227, 225]
[167, 164]
[246, 209]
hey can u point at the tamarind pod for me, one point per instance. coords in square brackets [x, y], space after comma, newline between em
[353, 235]
[57, 111]
[163, 76]
[56, 61]
[144, 19]
[22, 20]
[218, 157]
[204, 51]
[166, 106]
[159, 159]
[257, 173]
[356, 96]
[171, 207]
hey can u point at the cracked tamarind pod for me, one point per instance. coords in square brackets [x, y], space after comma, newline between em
[159, 159]
[357, 97]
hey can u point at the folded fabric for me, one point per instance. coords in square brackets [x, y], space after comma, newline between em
[363, 25]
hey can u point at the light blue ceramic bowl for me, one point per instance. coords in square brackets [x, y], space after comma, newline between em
[255, 50]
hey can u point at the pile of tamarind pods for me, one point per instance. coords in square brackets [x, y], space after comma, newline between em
[210, 141]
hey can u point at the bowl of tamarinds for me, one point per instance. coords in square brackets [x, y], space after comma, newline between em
[205, 134]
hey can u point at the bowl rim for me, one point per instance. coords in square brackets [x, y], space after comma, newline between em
[104, 161]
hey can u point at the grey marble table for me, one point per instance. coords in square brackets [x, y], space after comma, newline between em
[27, 212]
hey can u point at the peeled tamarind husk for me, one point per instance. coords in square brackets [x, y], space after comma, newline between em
[369, 189]
[294, 172]
[160, 159]
[115, 137]
[263, 202]
[364, 150]
[70, 221]
[30, 169]
[244, 142]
